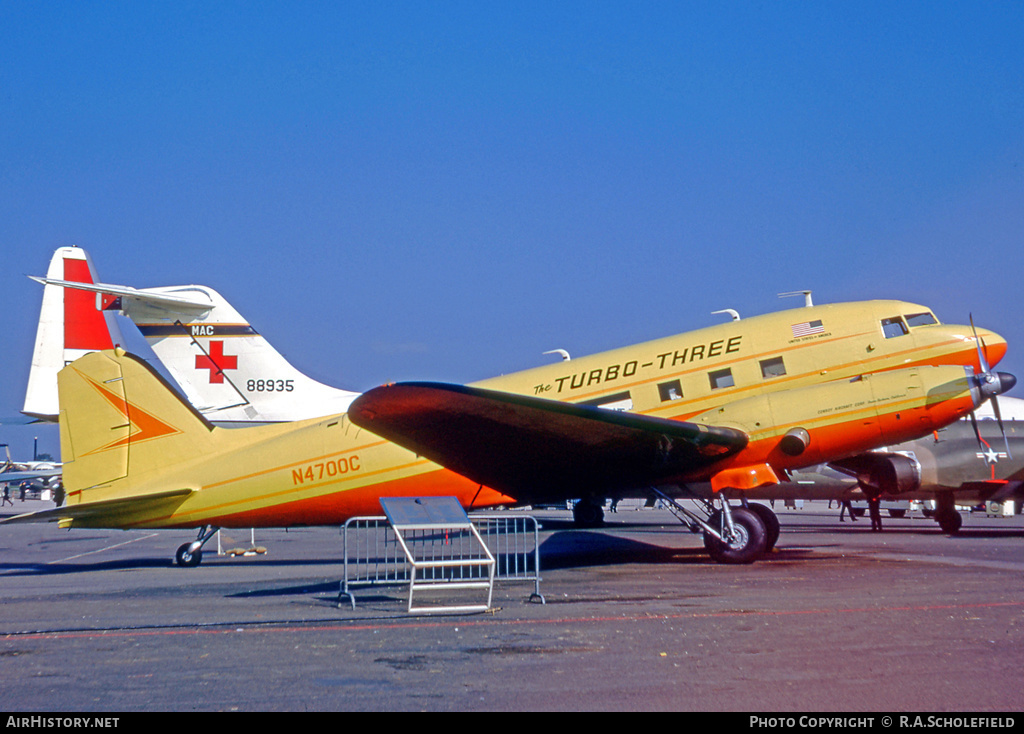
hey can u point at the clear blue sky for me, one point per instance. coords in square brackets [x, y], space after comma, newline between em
[444, 190]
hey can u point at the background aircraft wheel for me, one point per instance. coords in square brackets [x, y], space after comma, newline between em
[770, 521]
[950, 522]
[748, 542]
[185, 559]
[587, 514]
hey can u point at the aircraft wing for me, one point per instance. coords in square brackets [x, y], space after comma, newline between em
[531, 448]
[101, 510]
[9, 477]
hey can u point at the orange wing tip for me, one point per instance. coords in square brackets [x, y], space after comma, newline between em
[744, 477]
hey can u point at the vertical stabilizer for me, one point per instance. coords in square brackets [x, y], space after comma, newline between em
[122, 428]
[226, 368]
[71, 323]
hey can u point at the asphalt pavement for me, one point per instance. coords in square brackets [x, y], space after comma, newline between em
[636, 617]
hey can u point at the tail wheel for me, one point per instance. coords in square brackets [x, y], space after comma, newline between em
[748, 542]
[186, 558]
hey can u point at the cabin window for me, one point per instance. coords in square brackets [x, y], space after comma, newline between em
[773, 367]
[721, 378]
[893, 327]
[670, 391]
[920, 319]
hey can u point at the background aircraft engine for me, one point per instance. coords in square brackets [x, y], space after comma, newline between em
[884, 473]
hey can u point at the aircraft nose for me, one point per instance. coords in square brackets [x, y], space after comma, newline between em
[993, 345]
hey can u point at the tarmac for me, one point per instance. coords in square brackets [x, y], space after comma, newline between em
[636, 618]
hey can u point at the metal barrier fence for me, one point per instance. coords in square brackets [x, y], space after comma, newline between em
[374, 556]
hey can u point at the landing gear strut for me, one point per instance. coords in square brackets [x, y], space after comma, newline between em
[731, 534]
[190, 555]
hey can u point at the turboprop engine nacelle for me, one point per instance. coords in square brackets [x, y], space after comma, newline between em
[791, 429]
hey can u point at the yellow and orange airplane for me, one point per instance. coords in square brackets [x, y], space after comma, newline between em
[737, 404]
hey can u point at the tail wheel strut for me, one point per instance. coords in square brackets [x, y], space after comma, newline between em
[190, 555]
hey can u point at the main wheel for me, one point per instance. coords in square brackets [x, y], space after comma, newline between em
[186, 559]
[747, 544]
[588, 514]
[770, 521]
[949, 521]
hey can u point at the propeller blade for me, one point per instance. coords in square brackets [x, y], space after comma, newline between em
[977, 431]
[991, 385]
[982, 362]
[1002, 429]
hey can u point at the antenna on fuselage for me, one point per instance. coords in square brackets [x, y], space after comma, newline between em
[561, 352]
[732, 312]
[806, 294]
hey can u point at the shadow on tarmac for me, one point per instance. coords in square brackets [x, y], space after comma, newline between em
[56, 569]
[902, 528]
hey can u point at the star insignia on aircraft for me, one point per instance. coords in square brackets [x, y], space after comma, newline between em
[990, 455]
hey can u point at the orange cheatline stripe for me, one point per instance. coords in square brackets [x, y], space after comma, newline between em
[267, 499]
[844, 417]
[302, 462]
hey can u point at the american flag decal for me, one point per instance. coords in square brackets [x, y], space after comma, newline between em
[807, 328]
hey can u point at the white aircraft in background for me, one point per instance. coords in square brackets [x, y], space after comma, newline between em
[72, 323]
[39, 474]
[230, 373]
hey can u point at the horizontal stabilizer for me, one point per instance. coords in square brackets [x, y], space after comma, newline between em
[90, 512]
[154, 298]
[531, 448]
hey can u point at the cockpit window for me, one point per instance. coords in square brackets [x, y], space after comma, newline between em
[920, 319]
[894, 327]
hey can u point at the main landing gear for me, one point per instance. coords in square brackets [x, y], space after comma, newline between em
[731, 534]
[946, 515]
[190, 555]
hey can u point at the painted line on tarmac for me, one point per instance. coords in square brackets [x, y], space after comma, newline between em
[101, 550]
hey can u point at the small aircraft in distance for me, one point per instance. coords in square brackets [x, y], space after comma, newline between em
[738, 405]
[40, 474]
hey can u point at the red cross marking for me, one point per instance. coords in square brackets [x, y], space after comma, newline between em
[217, 362]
